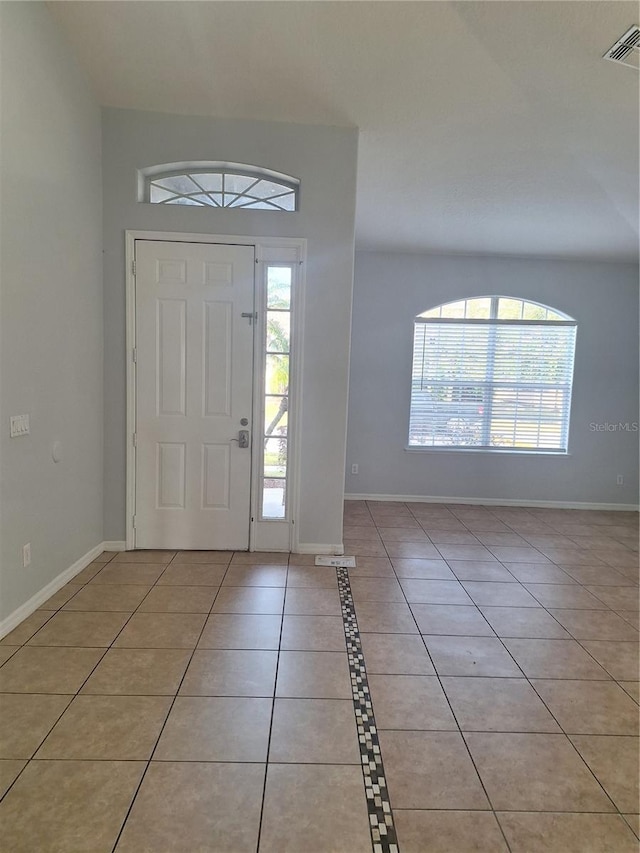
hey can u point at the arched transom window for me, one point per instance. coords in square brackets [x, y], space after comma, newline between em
[219, 185]
[492, 373]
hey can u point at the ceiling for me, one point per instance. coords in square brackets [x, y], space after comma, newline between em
[485, 127]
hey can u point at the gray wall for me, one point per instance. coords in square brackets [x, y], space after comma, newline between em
[51, 317]
[390, 289]
[324, 158]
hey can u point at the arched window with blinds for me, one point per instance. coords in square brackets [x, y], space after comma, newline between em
[492, 373]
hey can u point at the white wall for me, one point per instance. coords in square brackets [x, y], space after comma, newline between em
[324, 158]
[391, 289]
[51, 317]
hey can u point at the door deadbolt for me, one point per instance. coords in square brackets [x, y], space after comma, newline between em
[244, 421]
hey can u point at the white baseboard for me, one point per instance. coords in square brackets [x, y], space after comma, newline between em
[20, 614]
[314, 548]
[114, 545]
[523, 502]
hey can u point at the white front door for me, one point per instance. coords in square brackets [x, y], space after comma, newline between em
[194, 377]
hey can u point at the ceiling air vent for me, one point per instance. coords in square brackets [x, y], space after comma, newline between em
[626, 50]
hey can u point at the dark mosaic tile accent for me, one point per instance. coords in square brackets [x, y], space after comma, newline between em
[383, 833]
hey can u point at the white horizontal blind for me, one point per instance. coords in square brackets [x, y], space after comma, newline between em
[499, 384]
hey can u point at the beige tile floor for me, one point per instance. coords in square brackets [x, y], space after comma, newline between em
[200, 701]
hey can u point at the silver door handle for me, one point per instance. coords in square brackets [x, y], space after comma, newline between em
[243, 438]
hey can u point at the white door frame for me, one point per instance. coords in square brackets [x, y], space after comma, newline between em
[263, 535]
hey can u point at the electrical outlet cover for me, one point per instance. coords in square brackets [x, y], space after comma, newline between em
[19, 425]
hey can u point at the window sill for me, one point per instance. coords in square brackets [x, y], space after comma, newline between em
[489, 451]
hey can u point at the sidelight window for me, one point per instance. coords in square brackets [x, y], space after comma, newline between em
[277, 355]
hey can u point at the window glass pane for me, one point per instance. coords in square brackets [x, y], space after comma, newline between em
[278, 332]
[266, 189]
[277, 374]
[210, 182]
[279, 287]
[237, 183]
[446, 352]
[536, 354]
[158, 194]
[275, 415]
[179, 183]
[453, 310]
[183, 200]
[286, 202]
[274, 493]
[275, 457]
[432, 312]
[534, 312]
[205, 199]
[527, 417]
[447, 415]
[478, 309]
[509, 309]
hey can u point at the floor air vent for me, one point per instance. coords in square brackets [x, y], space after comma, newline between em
[626, 50]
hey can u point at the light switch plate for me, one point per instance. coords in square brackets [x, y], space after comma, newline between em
[19, 425]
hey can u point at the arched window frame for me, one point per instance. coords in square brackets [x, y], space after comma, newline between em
[286, 201]
[492, 382]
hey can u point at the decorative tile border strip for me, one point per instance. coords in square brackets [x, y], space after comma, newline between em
[383, 833]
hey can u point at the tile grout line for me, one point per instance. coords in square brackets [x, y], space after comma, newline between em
[616, 809]
[455, 718]
[71, 696]
[77, 693]
[606, 609]
[174, 698]
[381, 823]
[546, 705]
[273, 710]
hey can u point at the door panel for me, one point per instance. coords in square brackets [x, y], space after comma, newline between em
[218, 319]
[172, 357]
[194, 377]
